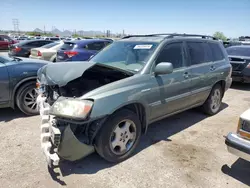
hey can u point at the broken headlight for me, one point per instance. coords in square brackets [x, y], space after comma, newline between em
[71, 108]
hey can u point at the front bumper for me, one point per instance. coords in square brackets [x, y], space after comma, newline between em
[238, 146]
[55, 142]
[241, 76]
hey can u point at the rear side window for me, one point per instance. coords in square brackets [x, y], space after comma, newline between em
[68, 46]
[35, 44]
[208, 52]
[217, 52]
[196, 52]
[95, 46]
[172, 53]
[50, 45]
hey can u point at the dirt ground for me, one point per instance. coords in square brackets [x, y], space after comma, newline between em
[186, 150]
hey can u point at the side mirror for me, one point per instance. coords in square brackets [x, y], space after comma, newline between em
[164, 68]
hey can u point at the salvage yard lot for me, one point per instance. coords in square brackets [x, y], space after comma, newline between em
[185, 150]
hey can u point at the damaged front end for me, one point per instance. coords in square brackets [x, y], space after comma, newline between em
[67, 131]
[62, 136]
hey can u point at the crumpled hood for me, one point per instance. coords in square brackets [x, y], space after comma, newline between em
[62, 73]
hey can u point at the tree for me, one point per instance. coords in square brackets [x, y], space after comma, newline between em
[220, 35]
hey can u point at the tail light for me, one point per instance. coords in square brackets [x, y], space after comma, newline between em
[71, 53]
[244, 128]
[39, 53]
[17, 49]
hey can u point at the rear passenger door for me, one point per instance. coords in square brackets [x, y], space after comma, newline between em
[202, 67]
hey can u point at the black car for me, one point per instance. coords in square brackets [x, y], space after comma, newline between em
[22, 49]
[18, 83]
[239, 57]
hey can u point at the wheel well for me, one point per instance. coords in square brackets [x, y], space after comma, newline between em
[139, 110]
[222, 83]
[17, 89]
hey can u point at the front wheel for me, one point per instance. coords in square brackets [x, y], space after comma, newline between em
[26, 99]
[213, 102]
[119, 136]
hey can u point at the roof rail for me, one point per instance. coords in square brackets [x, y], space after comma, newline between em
[171, 35]
[149, 35]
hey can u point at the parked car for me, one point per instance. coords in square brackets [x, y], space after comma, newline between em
[52, 38]
[46, 52]
[80, 50]
[22, 38]
[5, 41]
[239, 143]
[22, 49]
[231, 43]
[18, 83]
[239, 57]
[105, 104]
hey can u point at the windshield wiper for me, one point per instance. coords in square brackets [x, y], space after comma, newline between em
[16, 59]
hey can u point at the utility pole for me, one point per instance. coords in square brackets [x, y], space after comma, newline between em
[16, 25]
[44, 31]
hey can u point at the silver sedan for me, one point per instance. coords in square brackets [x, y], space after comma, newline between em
[46, 52]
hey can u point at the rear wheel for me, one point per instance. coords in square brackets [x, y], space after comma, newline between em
[26, 99]
[213, 102]
[119, 136]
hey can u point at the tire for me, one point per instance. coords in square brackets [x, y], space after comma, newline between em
[107, 133]
[24, 99]
[210, 107]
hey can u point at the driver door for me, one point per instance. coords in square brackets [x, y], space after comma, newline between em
[4, 84]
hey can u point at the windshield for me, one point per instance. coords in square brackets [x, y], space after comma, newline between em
[130, 56]
[50, 45]
[238, 51]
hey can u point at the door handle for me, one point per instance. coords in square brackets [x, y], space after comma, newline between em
[186, 75]
[212, 68]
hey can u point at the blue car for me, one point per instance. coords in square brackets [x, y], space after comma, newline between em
[81, 50]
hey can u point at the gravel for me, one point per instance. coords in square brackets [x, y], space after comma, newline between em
[185, 150]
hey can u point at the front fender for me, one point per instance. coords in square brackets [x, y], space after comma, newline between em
[111, 102]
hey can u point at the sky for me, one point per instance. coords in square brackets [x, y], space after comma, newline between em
[232, 17]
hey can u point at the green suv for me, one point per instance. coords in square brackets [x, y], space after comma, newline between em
[107, 103]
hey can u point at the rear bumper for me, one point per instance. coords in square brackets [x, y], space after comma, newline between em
[228, 83]
[55, 142]
[238, 146]
[10, 53]
[36, 57]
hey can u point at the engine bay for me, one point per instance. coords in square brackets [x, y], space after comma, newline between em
[91, 79]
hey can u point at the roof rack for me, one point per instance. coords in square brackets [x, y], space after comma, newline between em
[172, 35]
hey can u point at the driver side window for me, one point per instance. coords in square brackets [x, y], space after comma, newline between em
[172, 53]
